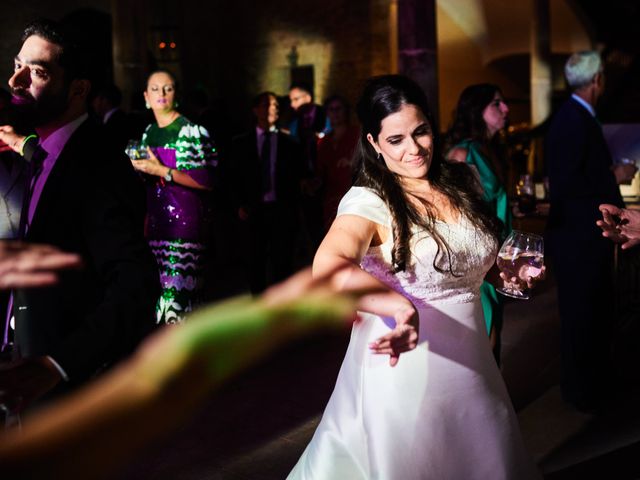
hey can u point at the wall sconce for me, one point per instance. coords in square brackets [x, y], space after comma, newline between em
[165, 44]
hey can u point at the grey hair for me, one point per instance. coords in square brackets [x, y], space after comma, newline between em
[581, 68]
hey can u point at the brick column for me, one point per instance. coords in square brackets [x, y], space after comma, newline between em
[418, 47]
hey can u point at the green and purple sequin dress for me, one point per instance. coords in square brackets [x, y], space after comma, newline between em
[177, 215]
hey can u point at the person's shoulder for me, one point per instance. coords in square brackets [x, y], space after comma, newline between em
[287, 139]
[365, 202]
[571, 108]
[570, 117]
[190, 130]
[288, 145]
[242, 138]
[88, 134]
[458, 154]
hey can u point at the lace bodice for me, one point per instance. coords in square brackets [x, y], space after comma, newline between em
[473, 254]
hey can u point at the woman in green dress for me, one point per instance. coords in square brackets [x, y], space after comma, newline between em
[179, 171]
[480, 113]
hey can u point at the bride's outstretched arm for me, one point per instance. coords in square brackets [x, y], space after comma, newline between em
[341, 251]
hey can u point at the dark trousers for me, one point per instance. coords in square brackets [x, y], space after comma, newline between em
[584, 273]
[272, 233]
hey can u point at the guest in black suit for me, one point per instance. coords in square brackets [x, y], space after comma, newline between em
[117, 125]
[581, 177]
[267, 168]
[85, 199]
[308, 125]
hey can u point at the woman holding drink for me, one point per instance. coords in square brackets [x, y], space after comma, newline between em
[418, 387]
[179, 163]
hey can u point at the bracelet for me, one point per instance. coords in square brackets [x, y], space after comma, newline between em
[24, 142]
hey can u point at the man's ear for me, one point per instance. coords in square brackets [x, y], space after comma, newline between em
[597, 79]
[80, 88]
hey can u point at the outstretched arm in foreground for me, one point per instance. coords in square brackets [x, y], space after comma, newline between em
[342, 250]
[101, 426]
[24, 265]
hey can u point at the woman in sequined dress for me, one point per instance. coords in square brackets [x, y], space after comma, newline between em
[180, 163]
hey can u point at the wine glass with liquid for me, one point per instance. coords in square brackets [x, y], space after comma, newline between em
[136, 150]
[521, 256]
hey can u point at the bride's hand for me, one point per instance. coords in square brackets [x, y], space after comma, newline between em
[401, 339]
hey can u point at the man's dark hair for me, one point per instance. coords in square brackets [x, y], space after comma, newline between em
[304, 86]
[257, 100]
[73, 58]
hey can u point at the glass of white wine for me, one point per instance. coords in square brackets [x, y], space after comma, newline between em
[136, 150]
[521, 256]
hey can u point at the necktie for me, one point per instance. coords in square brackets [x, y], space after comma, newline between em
[265, 156]
[34, 170]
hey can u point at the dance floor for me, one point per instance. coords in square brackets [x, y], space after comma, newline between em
[258, 425]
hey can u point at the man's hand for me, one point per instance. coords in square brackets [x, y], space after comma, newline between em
[24, 265]
[24, 381]
[624, 173]
[243, 214]
[10, 140]
[621, 225]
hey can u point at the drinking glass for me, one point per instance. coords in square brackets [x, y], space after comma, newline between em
[136, 150]
[525, 191]
[521, 256]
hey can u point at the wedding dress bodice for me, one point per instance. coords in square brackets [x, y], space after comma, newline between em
[472, 255]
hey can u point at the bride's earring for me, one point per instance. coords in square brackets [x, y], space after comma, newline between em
[380, 159]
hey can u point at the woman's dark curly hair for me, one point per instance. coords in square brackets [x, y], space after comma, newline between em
[383, 96]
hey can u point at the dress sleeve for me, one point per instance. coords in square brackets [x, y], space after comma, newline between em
[363, 202]
[195, 153]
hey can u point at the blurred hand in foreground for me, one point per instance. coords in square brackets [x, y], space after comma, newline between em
[24, 265]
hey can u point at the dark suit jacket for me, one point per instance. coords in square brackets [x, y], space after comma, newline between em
[118, 130]
[579, 168]
[13, 172]
[246, 171]
[92, 204]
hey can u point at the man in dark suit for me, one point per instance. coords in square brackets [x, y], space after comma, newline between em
[118, 128]
[267, 168]
[83, 198]
[581, 177]
[309, 123]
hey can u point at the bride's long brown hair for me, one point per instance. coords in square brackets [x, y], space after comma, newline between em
[383, 96]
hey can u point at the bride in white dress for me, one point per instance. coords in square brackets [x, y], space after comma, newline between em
[419, 395]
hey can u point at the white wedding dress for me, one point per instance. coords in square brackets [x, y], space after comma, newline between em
[443, 412]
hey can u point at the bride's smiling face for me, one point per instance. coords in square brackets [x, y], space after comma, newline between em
[405, 142]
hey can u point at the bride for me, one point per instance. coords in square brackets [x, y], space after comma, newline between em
[418, 395]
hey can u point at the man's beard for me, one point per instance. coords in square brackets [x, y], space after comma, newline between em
[29, 113]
